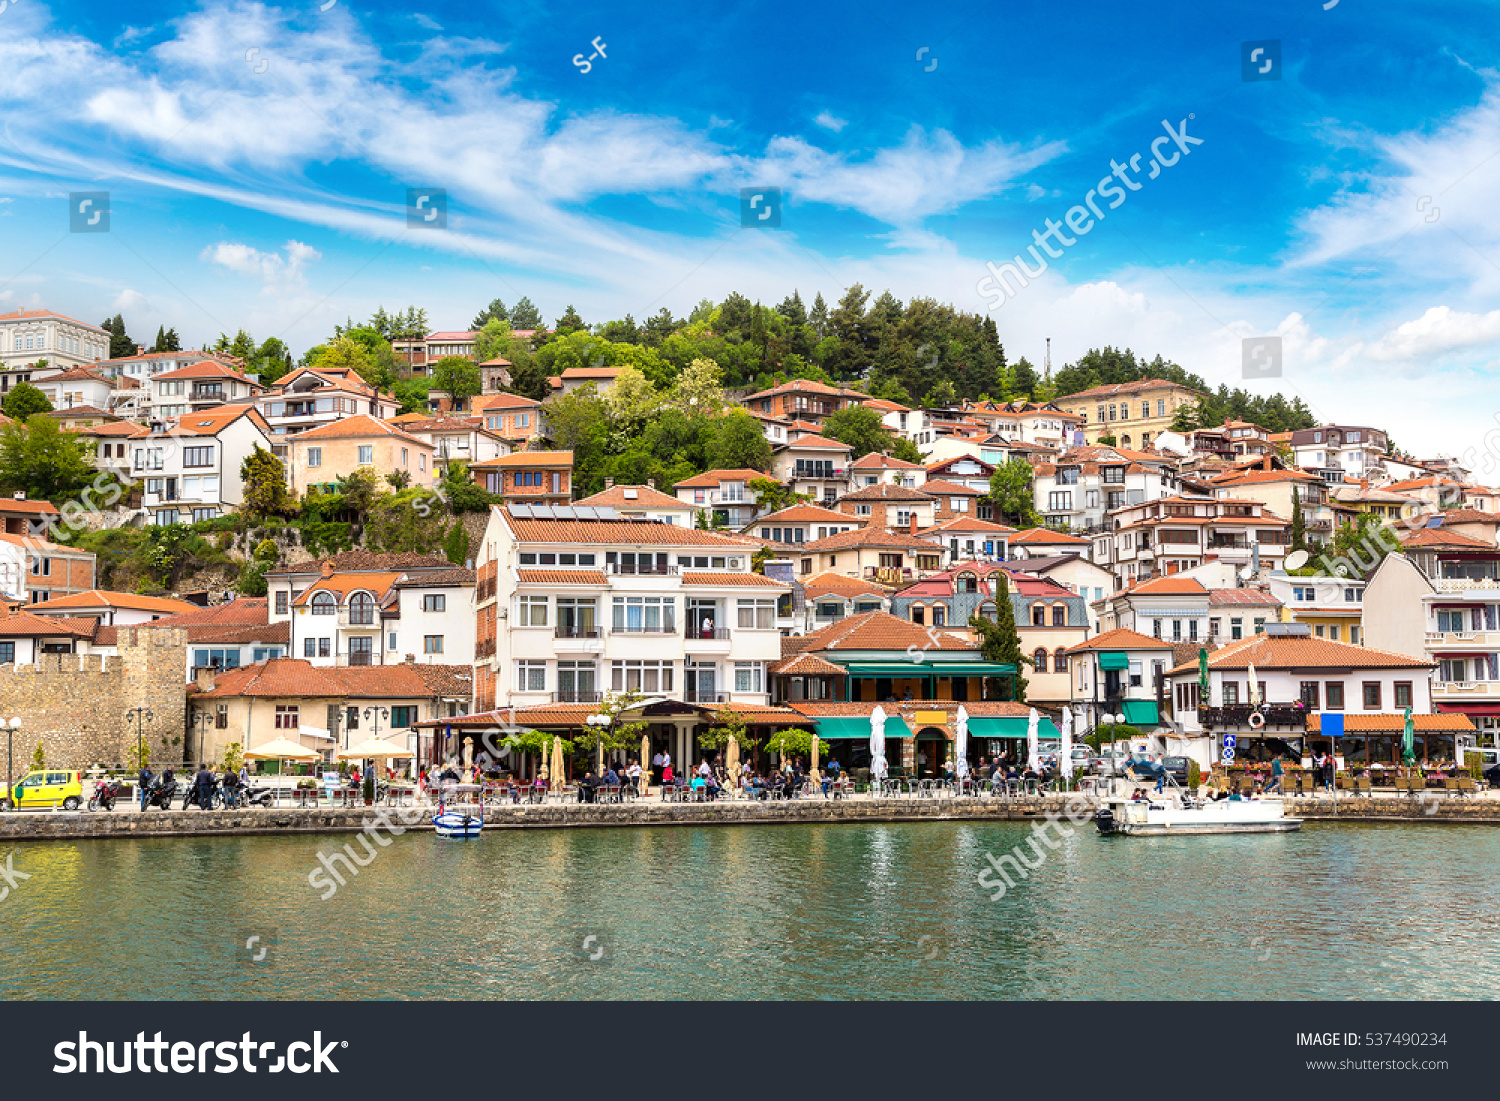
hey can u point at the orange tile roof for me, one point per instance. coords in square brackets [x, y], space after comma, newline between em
[21, 315]
[208, 368]
[526, 459]
[1437, 537]
[967, 523]
[711, 478]
[1297, 652]
[562, 577]
[112, 428]
[743, 580]
[102, 598]
[879, 631]
[486, 402]
[837, 584]
[804, 514]
[1119, 639]
[938, 487]
[1043, 536]
[1169, 586]
[1470, 516]
[28, 506]
[1394, 723]
[621, 533]
[645, 497]
[293, 678]
[591, 372]
[887, 492]
[21, 624]
[1247, 597]
[867, 537]
[359, 426]
[818, 443]
[876, 461]
[343, 584]
[806, 665]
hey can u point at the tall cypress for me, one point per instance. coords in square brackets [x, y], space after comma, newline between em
[999, 640]
[1299, 524]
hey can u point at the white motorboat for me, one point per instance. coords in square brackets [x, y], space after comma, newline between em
[1176, 812]
[457, 824]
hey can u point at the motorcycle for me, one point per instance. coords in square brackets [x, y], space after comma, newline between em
[215, 797]
[256, 797]
[160, 794]
[105, 793]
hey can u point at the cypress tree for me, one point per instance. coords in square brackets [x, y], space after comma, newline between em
[999, 640]
[1299, 524]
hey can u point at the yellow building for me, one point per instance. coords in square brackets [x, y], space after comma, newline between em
[1134, 413]
[322, 455]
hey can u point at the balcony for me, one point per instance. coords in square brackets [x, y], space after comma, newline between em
[1463, 640]
[647, 631]
[363, 619]
[1238, 715]
[360, 657]
[577, 695]
[1465, 584]
[639, 569]
[569, 630]
[207, 394]
[1466, 689]
[586, 638]
[710, 634]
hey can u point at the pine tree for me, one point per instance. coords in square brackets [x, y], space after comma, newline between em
[525, 315]
[569, 322]
[999, 640]
[1299, 524]
[818, 318]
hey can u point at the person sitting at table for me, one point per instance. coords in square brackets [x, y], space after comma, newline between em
[633, 776]
[611, 778]
[588, 787]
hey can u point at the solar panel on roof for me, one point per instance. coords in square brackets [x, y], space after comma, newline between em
[521, 512]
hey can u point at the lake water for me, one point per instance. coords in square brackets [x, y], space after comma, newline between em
[805, 911]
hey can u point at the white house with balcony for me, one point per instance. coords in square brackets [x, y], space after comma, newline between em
[1178, 533]
[1078, 490]
[189, 467]
[1339, 453]
[311, 397]
[1332, 606]
[815, 466]
[457, 439]
[198, 387]
[724, 495]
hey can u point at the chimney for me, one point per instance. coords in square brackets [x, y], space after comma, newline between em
[650, 483]
[327, 567]
[609, 483]
[140, 349]
[1266, 462]
[912, 526]
[21, 496]
[205, 679]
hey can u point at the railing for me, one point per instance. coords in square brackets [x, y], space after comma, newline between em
[1466, 688]
[574, 631]
[1462, 584]
[364, 618]
[1276, 714]
[706, 697]
[640, 569]
[715, 634]
[577, 695]
[643, 630]
[360, 658]
[1485, 640]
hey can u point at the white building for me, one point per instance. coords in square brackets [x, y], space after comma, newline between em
[311, 397]
[636, 502]
[190, 466]
[197, 388]
[30, 335]
[1075, 492]
[1178, 533]
[75, 388]
[724, 495]
[1339, 453]
[457, 439]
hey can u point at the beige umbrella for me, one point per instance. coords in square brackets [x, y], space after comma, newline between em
[559, 774]
[645, 763]
[282, 750]
[733, 765]
[545, 771]
[812, 768]
[375, 749]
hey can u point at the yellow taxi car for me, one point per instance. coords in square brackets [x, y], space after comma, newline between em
[45, 787]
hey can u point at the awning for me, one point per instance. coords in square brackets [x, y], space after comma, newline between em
[1114, 660]
[857, 727]
[1010, 726]
[930, 668]
[1140, 712]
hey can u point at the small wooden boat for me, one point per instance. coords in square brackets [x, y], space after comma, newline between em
[457, 824]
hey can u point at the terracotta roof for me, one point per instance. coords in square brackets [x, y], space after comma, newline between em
[866, 537]
[526, 458]
[561, 577]
[342, 584]
[1169, 586]
[1437, 537]
[969, 523]
[446, 681]
[293, 678]
[359, 426]
[711, 478]
[1248, 597]
[938, 487]
[806, 665]
[84, 411]
[742, 580]
[1470, 516]
[837, 584]
[879, 631]
[21, 624]
[30, 507]
[112, 428]
[444, 423]
[213, 421]
[455, 576]
[887, 492]
[621, 532]
[876, 461]
[243, 620]
[1043, 536]
[806, 385]
[451, 336]
[1120, 639]
[645, 497]
[486, 402]
[1298, 652]
[208, 368]
[100, 598]
[1251, 477]
[818, 443]
[79, 374]
[1444, 720]
[804, 514]
[591, 372]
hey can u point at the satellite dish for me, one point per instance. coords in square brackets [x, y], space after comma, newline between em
[1296, 560]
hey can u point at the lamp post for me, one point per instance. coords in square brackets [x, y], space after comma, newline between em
[601, 723]
[374, 715]
[200, 721]
[10, 763]
[140, 716]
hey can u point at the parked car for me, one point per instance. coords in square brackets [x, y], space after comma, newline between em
[1083, 758]
[1177, 768]
[45, 788]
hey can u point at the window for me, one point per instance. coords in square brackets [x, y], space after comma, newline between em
[434, 602]
[432, 644]
[1236, 627]
[641, 676]
[314, 456]
[1176, 630]
[1038, 615]
[748, 676]
[1192, 630]
[531, 676]
[1145, 409]
[403, 717]
[1333, 695]
[1059, 661]
[1156, 628]
[1059, 615]
[323, 604]
[757, 615]
[1231, 693]
[1039, 658]
[287, 716]
[1060, 501]
[309, 647]
[1161, 407]
[1354, 635]
[7, 653]
[390, 643]
[861, 510]
[221, 717]
[361, 610]
[1403, 694]
[1371, 689]
[325, 647]
[533, 611]
[197, 456]
[939, 615]
[366, 453]
[281, 595]
[644, 614]
[575, 682]
[1307, 692]
[217, 658]
[265, 653]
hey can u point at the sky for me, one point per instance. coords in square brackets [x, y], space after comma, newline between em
[1335, 190]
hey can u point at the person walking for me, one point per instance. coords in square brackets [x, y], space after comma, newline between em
[204, 782]
[143, 782]
[1329, 765]
[1276, 774]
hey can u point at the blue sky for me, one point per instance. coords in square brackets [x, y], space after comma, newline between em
[257, 159]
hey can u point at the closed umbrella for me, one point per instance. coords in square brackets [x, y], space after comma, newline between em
[877, 744]
[645, 762]
[1254, 687]
[812, 764]
[559, 772]
[1033, 750]
[1065, 762]
[1408, 741]
[961, 744]
[732, 763]
[545, 770]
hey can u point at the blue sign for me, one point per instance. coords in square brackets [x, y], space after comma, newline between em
[1331, 724]
[1230, 741]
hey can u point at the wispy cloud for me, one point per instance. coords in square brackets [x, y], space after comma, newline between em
[829, 121]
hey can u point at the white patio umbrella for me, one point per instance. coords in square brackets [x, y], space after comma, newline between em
[1065, 762]
[961, 743]
[282, 750]
[1033, 750]
[1254, 688]
[877, 744]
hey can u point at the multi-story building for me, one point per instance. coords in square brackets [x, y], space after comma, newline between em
[829, 597]
[911, 424]
[803, 399]
[27, 336]
[1274, 489]
[1044, 543]
[1332, 606]
[1173, 534]
[510, 416]
[1175, 609]
[362, 608]
[1241, 611]
[134, 374]
[642, 502]
[456, 439]
[969, 539]
[1438, 599]
[34, 570]
[321, 456]
[1076, 573]
[112, 444]
[1131, 413]
[725, 495]
[891, 558]
[111, 609]
[539, 477]
[418, 354]
[1028, 422]
[801, 524]
[1118, 673]
[1362, 497]
[601, 379]
[877, 469]
[1339, 453]
[189, 466]
[890, 506]
[197, 388]
[1076, 491]
[814, 465]
[311, 397]
[75, 388]
[953, 500]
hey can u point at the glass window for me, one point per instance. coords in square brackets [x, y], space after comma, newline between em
[287, 716]
[1403, 694]
[1333, 695]
[1371, 690]
[533, 611]
[434, 602]
[432, 644]
[366, 453]
[747, 676]
[531, 676]
[757, 614]
[323, 603]
[314, 456]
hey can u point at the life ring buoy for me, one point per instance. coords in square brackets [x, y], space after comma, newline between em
[1257, 720]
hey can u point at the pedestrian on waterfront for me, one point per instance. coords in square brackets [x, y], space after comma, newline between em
[205, 784]
[656, 760]
[143, 781]
[667, 777]
[1276, 773]
[1328, 766]
[633, 776]
[244, 774]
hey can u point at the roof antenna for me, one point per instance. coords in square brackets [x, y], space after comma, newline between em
[1047, 358]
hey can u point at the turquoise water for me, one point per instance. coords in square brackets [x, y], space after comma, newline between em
[806, 911]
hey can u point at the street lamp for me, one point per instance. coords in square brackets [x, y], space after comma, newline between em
[374, 715]
[10, 762]
[601, 723]
[201, 721]
[140, 716]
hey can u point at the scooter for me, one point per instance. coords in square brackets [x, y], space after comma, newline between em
[105, 793]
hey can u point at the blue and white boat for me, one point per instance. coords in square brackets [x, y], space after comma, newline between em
[459, 824]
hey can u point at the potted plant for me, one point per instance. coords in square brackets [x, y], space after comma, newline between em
[369, 788]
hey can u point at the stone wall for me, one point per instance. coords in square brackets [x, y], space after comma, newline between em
[75, 704]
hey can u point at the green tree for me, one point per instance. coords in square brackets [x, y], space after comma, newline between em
[631, 402]
[1299, 523]
[345, 352]
[395, 525]
[458, 376]
[39, 757]
[265, 490]
[772, 496]
[495, 311]
[859, 426]
[700, 388]
[943, 393]
[739, 443]
[24, 400]
[1010, 490]
[906, 451]
[525, 315]
[120, 342]
[570, 322]
[456, 544]
[41, 460]
[999, 641]
[492, 341]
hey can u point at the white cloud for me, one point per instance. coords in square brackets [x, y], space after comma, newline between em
[425, 20]
[279, 272]
[829, 121]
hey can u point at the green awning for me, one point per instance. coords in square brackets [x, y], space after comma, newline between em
[898, 669]
[1010, 726]
[1140, 712]
[1114, 660]
[857, 726]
